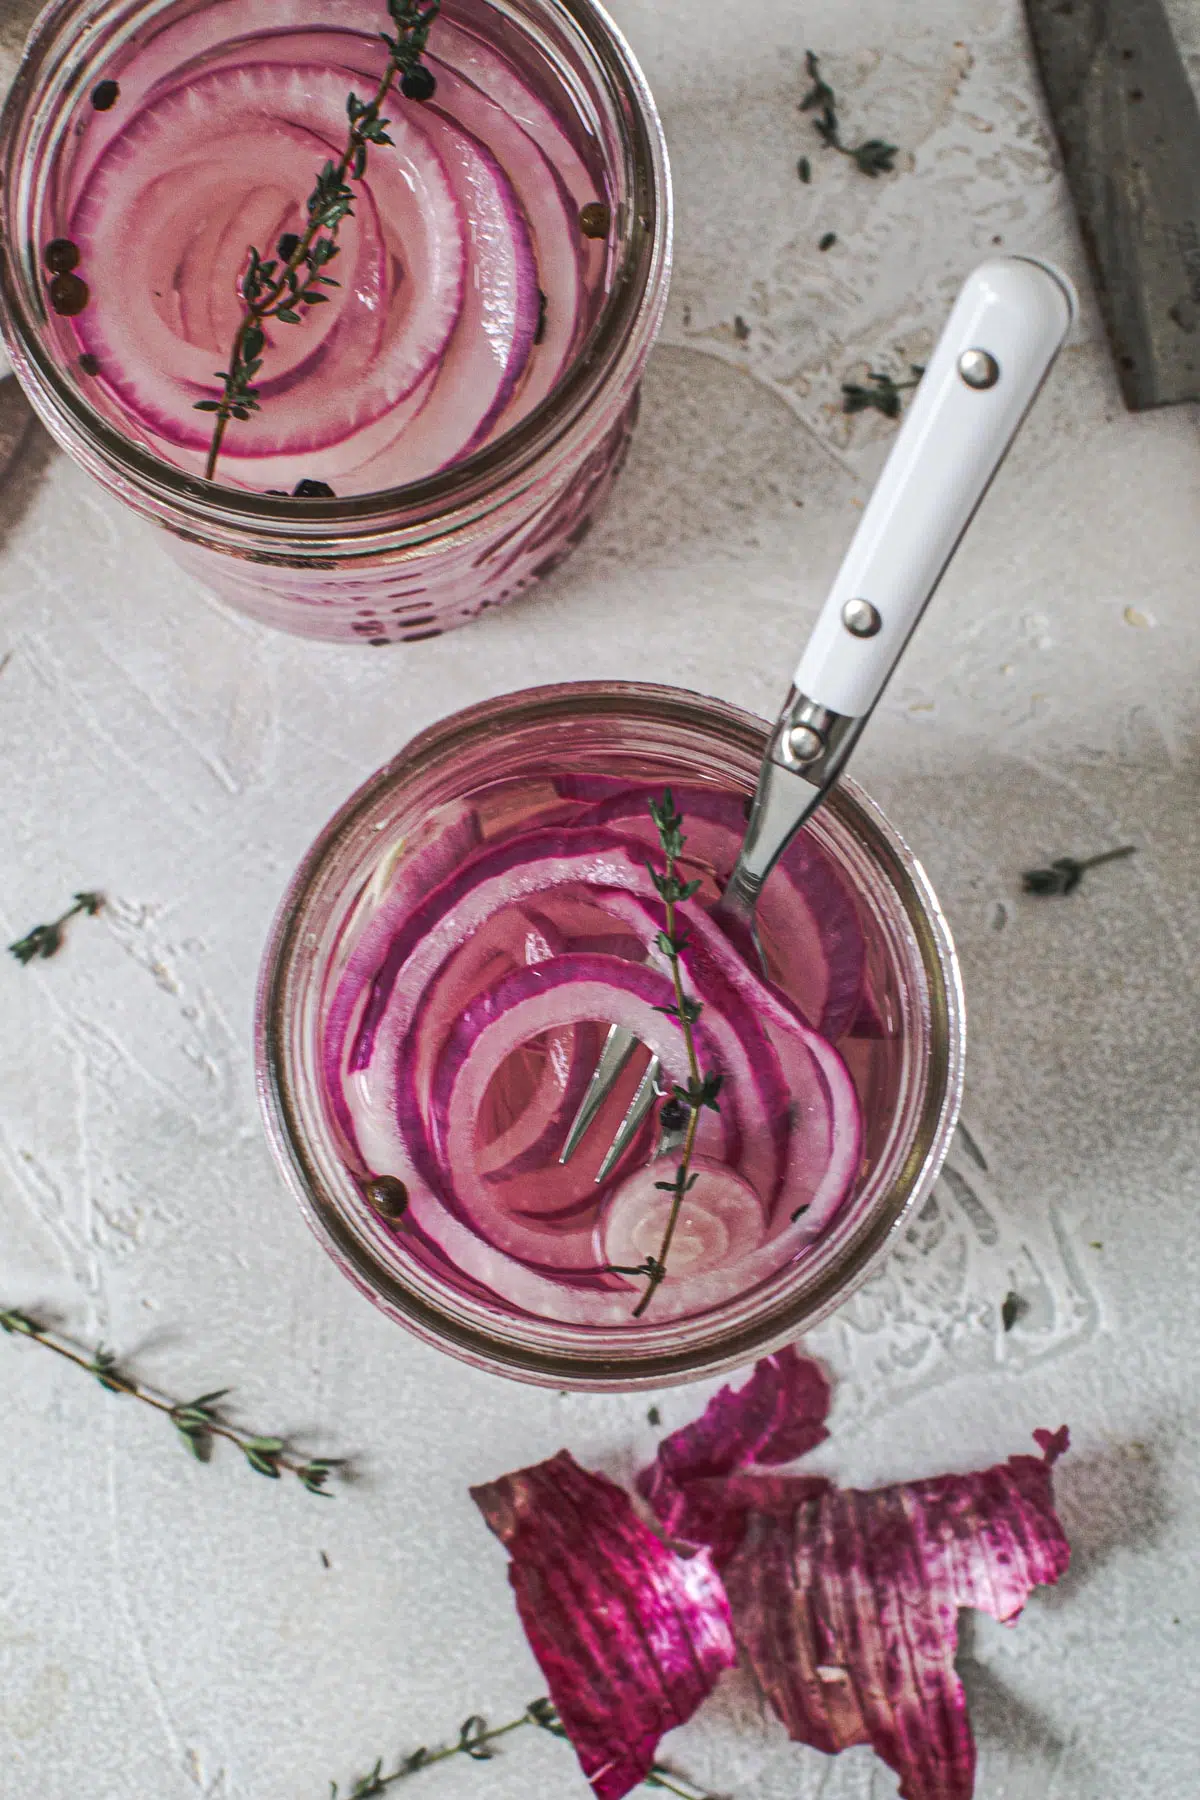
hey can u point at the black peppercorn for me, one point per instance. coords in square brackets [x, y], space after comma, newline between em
[61, 256]
[105, 95]
[387, 1195]
[89, 364]
[68, 295]
[674, 1115]
[313, 490]
[418, 83]
[595, 219]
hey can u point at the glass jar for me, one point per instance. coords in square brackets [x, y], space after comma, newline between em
[412, 561]
[910, 1090]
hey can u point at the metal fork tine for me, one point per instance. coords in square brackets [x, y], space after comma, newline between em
[619, 1046]
[631, 1124]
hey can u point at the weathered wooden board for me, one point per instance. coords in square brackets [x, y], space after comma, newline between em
[1129, 127]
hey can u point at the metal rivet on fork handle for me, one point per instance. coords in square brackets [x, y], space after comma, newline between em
[978, 368]
[861, 619]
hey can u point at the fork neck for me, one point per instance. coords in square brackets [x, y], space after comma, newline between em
[804, 757]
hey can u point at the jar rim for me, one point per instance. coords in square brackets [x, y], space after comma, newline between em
[527, 1351]
[612, 354]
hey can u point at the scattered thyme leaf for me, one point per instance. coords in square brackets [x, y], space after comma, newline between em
[1064, 874]
[47, 940]
[804, 170]
[1011, 1310]
[883, 394]
[873, 157]
[741, 330]
[828, 241]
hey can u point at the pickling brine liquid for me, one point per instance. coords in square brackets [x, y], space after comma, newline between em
[473, 985]
[469, 275]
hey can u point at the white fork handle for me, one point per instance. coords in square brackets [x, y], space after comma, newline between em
[953, 439]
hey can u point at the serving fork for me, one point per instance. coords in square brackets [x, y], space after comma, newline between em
[1006, 328]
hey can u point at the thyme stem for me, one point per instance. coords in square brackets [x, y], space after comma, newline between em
[1066, 872]
[1093, 862]
[702, 1088]
[475, 1738]
[196, 1421]
[330, 202]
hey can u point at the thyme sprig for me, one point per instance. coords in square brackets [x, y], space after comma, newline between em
[884, 393]
[703, 1087]
[292, 280]
[197, 1422]
[475, 1739]
[1065, 874]
[47, 940]
[874, 156]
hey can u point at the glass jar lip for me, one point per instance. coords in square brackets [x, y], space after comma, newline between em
[612, 354]
[525, 1351]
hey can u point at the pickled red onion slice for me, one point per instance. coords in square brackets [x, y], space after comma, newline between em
[446, 1013]
[485, 357]
[721, 1218]
[143, 224]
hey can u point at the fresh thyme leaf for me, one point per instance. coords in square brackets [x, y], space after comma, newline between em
[1064, 874]
[544, 1713]
[828, 241]
[1011, 1310]
[104, 1367]
[874, 156]
[47, 940]
[19, 1324]
[883, 394]
[804, 170]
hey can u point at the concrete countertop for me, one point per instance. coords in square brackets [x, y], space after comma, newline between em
[170, 1631]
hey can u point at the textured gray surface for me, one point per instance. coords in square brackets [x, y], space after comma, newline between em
[172, 1631]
